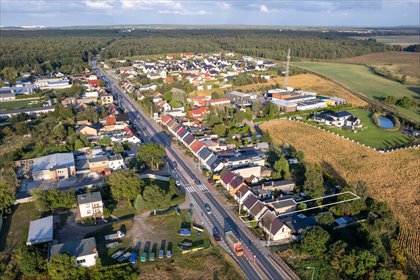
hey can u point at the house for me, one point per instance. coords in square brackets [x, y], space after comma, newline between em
[263, 146]
[90, 205]
[261, 193]
[235, 184]
[219, 102]
[283, 206]
[163, 106]
[52, 167]
[274, 227]
[257, 210]
[107, 99]
[198, 114]
[83, 250]
[98, 164]
[248, 171]
[116, 162]
[249, 202]
[241, 158]
[339, 119]
[7, 94]
[286, 186]
[298, 223]
[226, 176]
[40, 231]
[241, 99]
[87, 130]
[242, 193]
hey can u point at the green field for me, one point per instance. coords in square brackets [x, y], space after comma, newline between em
[371, 135]
[18, 104]
[361, 79]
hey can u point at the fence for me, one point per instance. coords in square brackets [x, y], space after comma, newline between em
[381, 150]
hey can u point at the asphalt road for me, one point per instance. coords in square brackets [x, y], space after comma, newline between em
[198, 191]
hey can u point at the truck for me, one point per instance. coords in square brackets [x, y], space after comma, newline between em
[113, 236]
[234, 244]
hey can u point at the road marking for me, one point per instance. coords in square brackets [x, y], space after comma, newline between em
[202, 188]
[189, 189]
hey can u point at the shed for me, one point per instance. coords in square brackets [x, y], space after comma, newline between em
[40, 231]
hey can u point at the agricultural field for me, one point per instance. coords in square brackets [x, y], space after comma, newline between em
[392, 177]
[371, 135]
[396, 64]
[361, 79]
[403, 40]
[304, 81]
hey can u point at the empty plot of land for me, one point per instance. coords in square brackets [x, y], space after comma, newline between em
[402, 40]
[392, 177]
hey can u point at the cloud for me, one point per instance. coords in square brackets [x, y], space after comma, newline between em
[100, 5]
[224, 5]
[264, 9]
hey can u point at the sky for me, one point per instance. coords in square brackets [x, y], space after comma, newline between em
[55, 13]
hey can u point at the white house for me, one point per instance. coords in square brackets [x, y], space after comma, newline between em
[84, 250]
[338, 119]
[274, 227]
[90, 205]
[116, 162]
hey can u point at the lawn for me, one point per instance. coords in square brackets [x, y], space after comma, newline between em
[361, 79]
[371, 135]
[18, 104]
[15, 227]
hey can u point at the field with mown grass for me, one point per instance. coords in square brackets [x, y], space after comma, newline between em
[393, 64]
[361, 79]
[19, 104]
[392, 177]
[370, 134]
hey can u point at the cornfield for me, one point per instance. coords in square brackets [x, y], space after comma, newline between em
[392, 177]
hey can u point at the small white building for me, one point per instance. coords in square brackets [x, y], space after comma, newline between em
[83, 250]
[116, 162]
[40, 231]
[90, 205]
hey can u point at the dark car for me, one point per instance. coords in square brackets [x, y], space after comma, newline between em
[216, 235]
[174, 165]
[207, 207]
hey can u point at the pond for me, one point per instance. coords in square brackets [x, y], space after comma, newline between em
[384, 122]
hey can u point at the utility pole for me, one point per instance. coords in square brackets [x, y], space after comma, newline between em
[286, 80]
[239, 209]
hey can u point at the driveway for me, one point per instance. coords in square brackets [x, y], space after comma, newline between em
[73, 231]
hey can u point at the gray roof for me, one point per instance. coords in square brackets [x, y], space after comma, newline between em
[40, 231]
[115, 157]
[283, 203]
[250, 201]
[211, 160]
[89, 198]
[205, 153]
[99, 159]
[189, 138]
[54, 161]
[76, 248]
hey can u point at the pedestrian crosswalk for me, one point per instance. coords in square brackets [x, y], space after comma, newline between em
[202, 188]
[189, 188]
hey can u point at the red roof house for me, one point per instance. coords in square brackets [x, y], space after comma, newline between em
[94, 83]
[198, 113]
[196, 146]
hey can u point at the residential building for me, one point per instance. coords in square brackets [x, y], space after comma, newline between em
[242, 158]
[116, 162]
[339, 119]
[248, 171]
[274, 227]
[107, 99]
[249, 202]
[98, 164]
[298, 223]
[242, 193]
[90, 205]
[283, 206]
[52, 167]
[235, 184]
[87, 130]
[257, 210]
[286, 186]
[198, 113]
[83, 250]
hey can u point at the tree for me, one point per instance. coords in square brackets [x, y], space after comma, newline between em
[300, 156]
[220, 130]
[7, 189]
[314, 182]
[215, 95]
[314, 242]
[10, 74]
[125, 184]
[53, 199]
[118, 149]
[357, 263]
[78, 144]
[105, 141]
[325, 219]
[153, 197]
[30, 262]
[151, 154]
[281, 167]
[63, 267]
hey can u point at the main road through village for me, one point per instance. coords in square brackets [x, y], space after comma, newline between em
[200, 192]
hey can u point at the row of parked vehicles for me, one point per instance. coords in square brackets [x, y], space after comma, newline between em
[132, 257]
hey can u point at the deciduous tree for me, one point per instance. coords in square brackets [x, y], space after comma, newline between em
[151, 154]
[125, 184]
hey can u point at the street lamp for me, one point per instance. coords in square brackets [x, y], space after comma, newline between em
[313, 271]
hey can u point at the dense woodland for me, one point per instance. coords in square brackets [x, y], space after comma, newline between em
[70, 50]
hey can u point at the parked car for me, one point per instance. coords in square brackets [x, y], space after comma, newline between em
[161, 253]
[174, 165]
[169, 254]
[216, 235]
[112, 245]
[133, 257]
[178, 183]
[152, 257]
[124, 257]
[117, 254]
[143, 257]
[207, 207]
